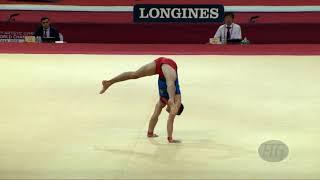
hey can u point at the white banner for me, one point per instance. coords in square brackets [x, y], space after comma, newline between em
[13, 36]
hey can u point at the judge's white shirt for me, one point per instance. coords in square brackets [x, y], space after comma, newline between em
[235, 32]
[46, 33]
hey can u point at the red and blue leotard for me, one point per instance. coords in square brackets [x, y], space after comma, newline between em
[162, 84]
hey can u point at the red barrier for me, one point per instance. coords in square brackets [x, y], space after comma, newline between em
[125, 17]
[276, 33]
[132, 2]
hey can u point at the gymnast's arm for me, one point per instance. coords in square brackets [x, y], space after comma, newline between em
[171, 76]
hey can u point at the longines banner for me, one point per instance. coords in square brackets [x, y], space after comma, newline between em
[178, 13]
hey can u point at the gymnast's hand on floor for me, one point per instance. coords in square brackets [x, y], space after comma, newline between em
[152, 135]
[170, 140]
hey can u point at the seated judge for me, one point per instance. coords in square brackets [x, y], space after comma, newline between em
[46, 31]
[229, 30]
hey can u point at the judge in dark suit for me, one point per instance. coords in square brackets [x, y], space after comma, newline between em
[46, 31]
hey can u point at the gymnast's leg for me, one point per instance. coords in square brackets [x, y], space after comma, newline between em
[146, 70]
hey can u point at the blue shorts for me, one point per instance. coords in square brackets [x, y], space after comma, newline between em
[162, 85]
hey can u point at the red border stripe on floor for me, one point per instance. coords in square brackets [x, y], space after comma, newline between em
[144, 49]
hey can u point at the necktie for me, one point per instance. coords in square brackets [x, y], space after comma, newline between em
[45, 33]
[228, 33]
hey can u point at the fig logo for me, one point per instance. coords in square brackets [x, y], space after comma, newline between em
[178, 13]
[273, 151]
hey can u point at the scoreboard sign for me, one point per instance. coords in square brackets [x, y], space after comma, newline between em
[178, 13]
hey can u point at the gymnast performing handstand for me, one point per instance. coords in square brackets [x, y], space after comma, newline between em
[169, 91]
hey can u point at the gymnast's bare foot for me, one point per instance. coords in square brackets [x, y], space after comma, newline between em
[105, 85]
